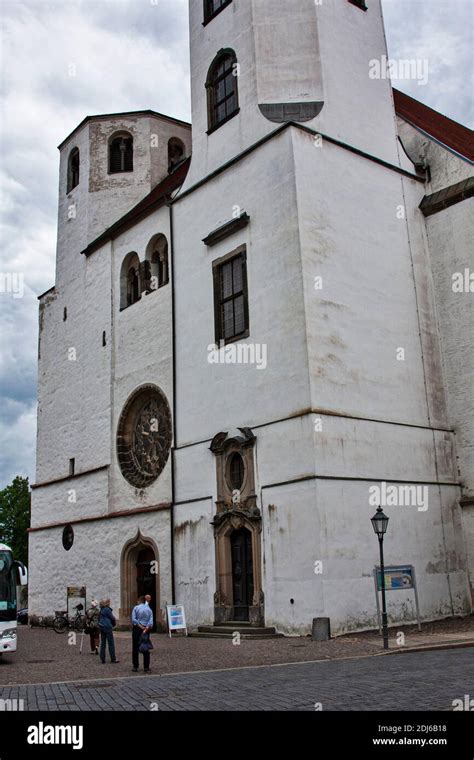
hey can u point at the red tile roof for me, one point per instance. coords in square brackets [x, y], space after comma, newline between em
[452, 134]
[156, 198]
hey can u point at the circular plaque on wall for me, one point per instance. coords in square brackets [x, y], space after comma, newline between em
[144, 436]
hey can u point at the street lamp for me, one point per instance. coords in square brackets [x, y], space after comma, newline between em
[380, 523]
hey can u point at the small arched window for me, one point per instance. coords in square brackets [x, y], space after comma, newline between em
[157, 255]
[121, 153]
[73, 169]
[222, 91]
[235, 471]
[176, 153]
[130, 281]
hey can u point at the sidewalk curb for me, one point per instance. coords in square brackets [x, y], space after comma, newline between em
[429, 647]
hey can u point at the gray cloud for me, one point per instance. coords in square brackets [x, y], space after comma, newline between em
[442, 33]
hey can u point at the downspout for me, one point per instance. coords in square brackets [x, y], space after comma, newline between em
[173, 448]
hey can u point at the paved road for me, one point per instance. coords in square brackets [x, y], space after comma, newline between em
[421, 681]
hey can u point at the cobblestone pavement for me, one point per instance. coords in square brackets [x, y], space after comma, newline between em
[47, 656]
[44, 656]
[417, 681]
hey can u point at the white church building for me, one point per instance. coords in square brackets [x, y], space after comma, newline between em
[261, 329]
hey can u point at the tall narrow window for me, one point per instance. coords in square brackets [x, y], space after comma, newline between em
[130, 291]
[235, 471]
[231, 297]
[121, 154]
[133, 286]
[213, 7]
[176, 153]
[157, 256]
[160, 260]
[73, 169]
[222, 91]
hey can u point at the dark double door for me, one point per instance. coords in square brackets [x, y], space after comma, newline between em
[242, 572]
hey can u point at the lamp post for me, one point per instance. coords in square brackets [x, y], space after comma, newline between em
[380, 523]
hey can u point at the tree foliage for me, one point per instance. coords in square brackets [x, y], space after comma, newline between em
[15, 501]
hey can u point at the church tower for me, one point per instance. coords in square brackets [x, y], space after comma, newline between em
[303, 61]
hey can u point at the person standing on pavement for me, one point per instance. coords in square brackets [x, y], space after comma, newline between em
[142, 621]
[92, 626]
[107, 624]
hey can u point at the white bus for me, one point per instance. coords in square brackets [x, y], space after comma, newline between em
[12, 572]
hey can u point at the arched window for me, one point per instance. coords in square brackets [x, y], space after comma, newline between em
[222, 92]
[176, 153]
[235, 471]
[121, 153]
[157, 255]
[73, 169]
[130, 291]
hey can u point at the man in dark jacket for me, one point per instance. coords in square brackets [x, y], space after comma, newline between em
[107, 624]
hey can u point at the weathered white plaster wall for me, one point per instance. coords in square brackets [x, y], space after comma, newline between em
[74, 373]
[366, 308]
[142, 354]
[468, 527]
[194, 561]
[358, 110]
[211, 397]
[328, 520]
[449, 235]
[288, 66]
[71, 499]
[446, 166]
[93, 561]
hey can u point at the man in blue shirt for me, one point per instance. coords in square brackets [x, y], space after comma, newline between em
[142, 621]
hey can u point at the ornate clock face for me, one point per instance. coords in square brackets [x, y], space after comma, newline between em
[144, 436]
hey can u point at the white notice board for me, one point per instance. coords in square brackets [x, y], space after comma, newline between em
[176, 618]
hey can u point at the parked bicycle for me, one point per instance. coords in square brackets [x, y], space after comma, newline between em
[63, 622]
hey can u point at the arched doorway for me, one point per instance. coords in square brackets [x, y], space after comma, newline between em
[140, 576]
[146, 577]
[242, 572]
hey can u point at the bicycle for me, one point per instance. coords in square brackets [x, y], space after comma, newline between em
[62, 622]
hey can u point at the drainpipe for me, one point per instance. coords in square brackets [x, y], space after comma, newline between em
[173, 359]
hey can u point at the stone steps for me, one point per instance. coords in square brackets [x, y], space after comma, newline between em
[227, 631]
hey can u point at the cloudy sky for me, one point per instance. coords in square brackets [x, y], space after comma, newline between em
[128, 55]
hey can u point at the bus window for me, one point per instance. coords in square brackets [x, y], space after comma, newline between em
[7, 588]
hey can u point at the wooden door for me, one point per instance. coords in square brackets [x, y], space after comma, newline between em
[242, 572]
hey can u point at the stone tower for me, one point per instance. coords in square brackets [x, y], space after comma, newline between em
[300, 61]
